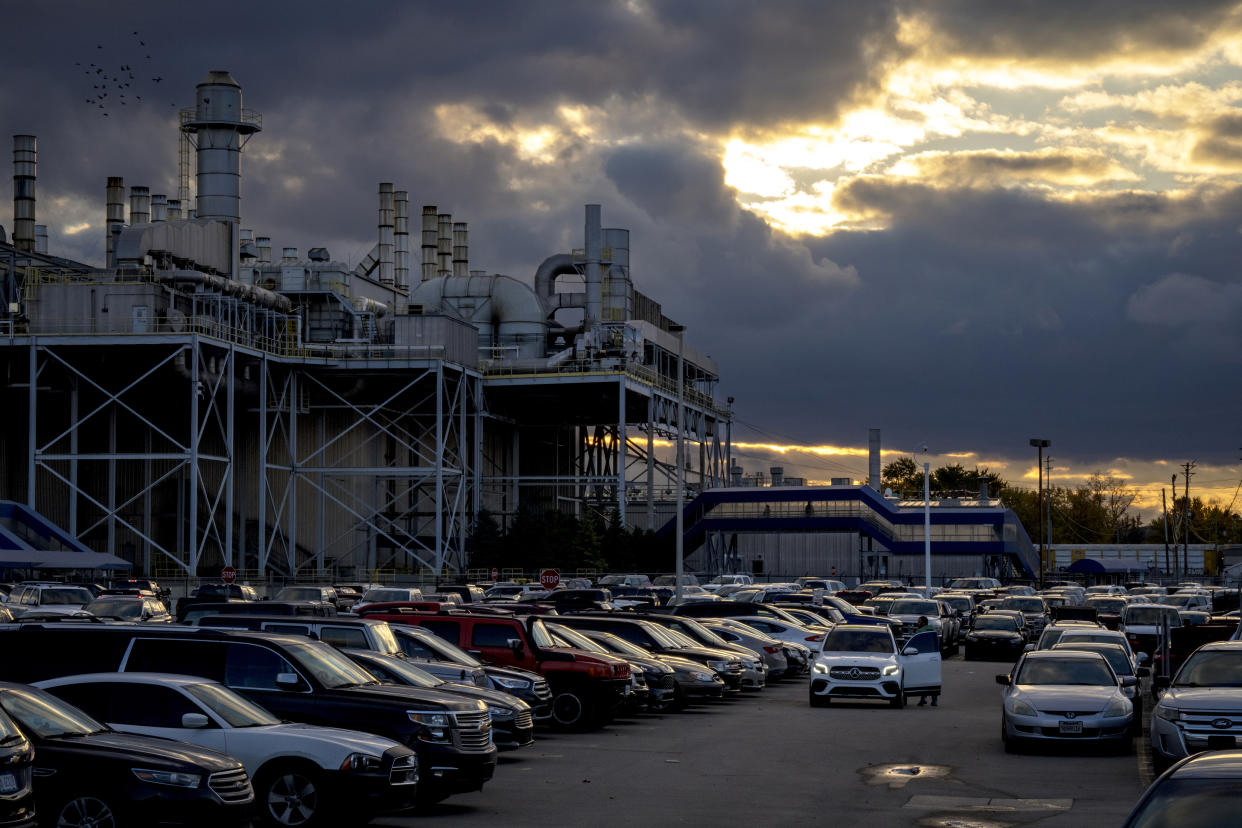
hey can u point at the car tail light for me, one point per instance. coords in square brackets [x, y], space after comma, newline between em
[771, 649]
[814, 638]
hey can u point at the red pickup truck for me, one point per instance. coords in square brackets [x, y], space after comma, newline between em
[587, 687]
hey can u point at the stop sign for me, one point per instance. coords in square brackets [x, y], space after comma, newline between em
[228, 574]
[495, 573]
[549, 578]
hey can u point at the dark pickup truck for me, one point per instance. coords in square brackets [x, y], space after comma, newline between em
[295, 678]
[587, 688]
[212, 593]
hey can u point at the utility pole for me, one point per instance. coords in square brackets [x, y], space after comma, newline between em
[1048, 499]
[1177, 527]
[1186, 532]
[1165, 510]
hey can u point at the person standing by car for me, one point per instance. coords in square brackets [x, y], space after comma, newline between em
[922, 628]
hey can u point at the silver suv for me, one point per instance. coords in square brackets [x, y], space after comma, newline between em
[1202, 707]
[48, 597]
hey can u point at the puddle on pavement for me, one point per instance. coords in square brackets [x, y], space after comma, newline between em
[961, 822]
[896, 776]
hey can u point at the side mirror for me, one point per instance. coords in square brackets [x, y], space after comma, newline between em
[195, 721]
[1161, 682]
[515, 644]
[1142, 658]
[1003, 679]
[909, 651]
[1143, 672]
[1028, 648]
[1129, 681]
[288, 681]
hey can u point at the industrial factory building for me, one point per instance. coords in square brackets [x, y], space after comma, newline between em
[199, 402]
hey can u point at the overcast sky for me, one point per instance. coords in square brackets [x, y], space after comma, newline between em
[967, 223]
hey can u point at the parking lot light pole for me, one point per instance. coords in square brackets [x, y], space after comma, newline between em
[926, 523]
[1040, 445]
[679, 331]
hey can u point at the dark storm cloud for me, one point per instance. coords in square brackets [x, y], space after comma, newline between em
[1220, 142]
[996, 167]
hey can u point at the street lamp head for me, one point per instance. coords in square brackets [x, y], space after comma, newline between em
[1037, 443]
[676, 329]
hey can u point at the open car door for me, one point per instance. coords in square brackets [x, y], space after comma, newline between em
[922, 667]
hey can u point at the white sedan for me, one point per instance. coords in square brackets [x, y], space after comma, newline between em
[302, 774]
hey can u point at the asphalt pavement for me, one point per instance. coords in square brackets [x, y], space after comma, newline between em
[768, 758]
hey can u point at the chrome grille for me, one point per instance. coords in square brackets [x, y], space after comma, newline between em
[542, 691]
[231, 786]
[849, 674]
[523, 720]
[474, 731]
[1197, 724]
[404, 771]
[1071, 714]
[667, 682]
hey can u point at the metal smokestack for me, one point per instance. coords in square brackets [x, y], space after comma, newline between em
[444, 244]
[174, 210]
[431, 234]
[159, 207]
[461, 262]
[265, 249]
[115, 218]
[873, 460]
[593, 281]
[289, 256]
[40, 238]
[401, 238]
[25, 169]
[139, 205]
[385, 233]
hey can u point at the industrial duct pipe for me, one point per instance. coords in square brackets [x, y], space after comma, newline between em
[25, 168]
[431, 235]
[115, 216]
[593, 279]
[401, 238]
[139, 206]
[444, 244]
[385, 234]
[174, 209]
[159, 207]
[461, 253]
[265, 249]
[40, 238]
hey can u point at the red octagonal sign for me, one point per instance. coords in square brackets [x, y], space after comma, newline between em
[228, 574]
[549, 578]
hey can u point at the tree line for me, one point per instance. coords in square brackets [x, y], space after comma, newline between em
[562, 541]
[1098, 510]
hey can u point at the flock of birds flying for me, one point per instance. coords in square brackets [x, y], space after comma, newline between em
[114, 88]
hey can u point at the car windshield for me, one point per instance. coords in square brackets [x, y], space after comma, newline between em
[380, 596]
[46, 716]
[996, 622]
[1084, 637]
[299, 594]
[327, 665]
[694, 629]
[385, 641]
[539, 633]
[124, 608]
[1177, 600]
[1117, 658]
[74, 596]
[411, 675]
[960, 604]
[859, 641]
[1078, 671]
[1211, 668]
[662, 637]
[1191, 803]
[428, 645]
[1113, 606]
[1023, 604]
[576, 639]
[234, 709]
[912, 607]
[1149, 615]
[619, 645]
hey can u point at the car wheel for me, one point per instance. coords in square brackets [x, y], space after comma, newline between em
[1010, 745]
[570, 710]
[87, 811]
[898, 700]
[289, 795]
[818, 700]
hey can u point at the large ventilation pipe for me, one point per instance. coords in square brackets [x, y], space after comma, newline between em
[174, 209]
[220, 128]
[593, 281]
[265, 249]
[115, 216]
[139, 206]
[289, 256]
[873, 459]
[25, 168]
[461, 251]
[401, 238]
[444, 245]
[618, 293]
[40, 238]
[159, 207]
[431, 234]
[385, 233]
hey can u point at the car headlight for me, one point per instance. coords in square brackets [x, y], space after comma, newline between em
[1118, 707]
[362, 763]
[435, 725]
[1169, 714]
[1021, 707]
[890, 670]
[718, 666]
[174, 778]
[820, 668]
[500, 713]
[511, 683]
[699, 675]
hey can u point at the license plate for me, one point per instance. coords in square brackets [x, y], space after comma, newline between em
[1222, 742]
[8, 784]
[1071, 727]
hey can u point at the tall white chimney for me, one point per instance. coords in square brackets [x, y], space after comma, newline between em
[159, 207]
[593, 279]
[874, 469]
[25, 167]
[444, 245]
[115, 215]
[461, 253]
[385, 233]
[139, 205]
[431, 235]
[401, 238]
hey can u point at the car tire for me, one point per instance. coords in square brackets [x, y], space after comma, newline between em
[818, 700]
[290, 795]
[571, 710]
[898, 700]
[1009, 744]
[87, 810]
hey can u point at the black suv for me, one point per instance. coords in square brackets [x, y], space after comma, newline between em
[87, 774]
[295, 678]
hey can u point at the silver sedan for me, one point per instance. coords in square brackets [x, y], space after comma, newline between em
[1055, 695]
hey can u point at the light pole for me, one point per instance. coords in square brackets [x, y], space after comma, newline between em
[926, 523]
[680, 332]
[1039, 499]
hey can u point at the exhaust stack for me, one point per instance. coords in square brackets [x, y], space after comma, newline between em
[461, 263]
[431, 235]
[401, 238]
[139, 205]
[25, 164]
[385, 233]
[115, 218]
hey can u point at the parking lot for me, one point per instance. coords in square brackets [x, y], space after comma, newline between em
[768, 758]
